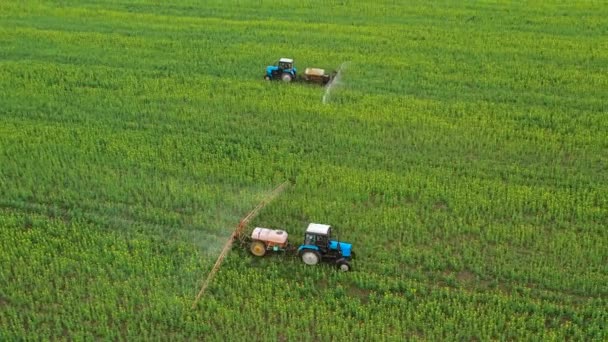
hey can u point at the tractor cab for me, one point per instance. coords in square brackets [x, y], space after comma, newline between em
[318, 245]
[284, 70]
[285, 63]
[318, 235]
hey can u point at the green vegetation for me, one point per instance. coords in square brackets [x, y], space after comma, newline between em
[465, 155]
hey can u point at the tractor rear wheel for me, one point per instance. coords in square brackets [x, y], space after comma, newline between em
[258, 248]
[286, 77]
[310, 257]
[343, 265]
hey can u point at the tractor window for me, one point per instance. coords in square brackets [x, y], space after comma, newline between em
[284, 65]
[309, 239]
[322, 241]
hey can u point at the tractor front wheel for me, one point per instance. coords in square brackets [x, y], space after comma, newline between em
[343, 265]
[310, 257]
[286, 77]
[258, 248]
[267, 78]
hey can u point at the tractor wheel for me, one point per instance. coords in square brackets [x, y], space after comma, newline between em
[258, 248]
[286, 77]
[267, 78]
[310, 257]
[343, 265]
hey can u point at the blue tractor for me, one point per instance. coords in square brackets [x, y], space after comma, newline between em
[318, 246]
[284, 70]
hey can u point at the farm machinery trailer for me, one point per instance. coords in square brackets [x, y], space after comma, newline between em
[286, 71]
[318, 245]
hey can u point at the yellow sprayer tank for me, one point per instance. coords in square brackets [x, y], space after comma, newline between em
[316, 75]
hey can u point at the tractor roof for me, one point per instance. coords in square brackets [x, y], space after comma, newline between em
[286, 60]
[316, 228]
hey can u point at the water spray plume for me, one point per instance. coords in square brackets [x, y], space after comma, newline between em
[235, 235]
[336, 81]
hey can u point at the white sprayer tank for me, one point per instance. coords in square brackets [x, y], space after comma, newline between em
[275, 236]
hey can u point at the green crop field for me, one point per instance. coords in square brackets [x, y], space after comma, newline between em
[463, 152]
